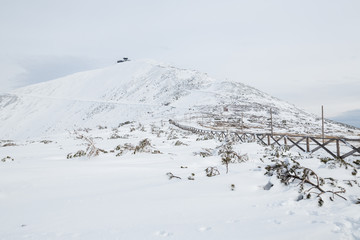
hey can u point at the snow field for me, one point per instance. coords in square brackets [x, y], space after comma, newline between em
[44, 195]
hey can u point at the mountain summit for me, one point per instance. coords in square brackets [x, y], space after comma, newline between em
[146, 90]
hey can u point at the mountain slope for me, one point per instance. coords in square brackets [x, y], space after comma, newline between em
[146, 90]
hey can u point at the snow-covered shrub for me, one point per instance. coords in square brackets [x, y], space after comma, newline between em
[289, 171]
[141, 127]
[122, 149]
[87, 130]
[117, 136]
[156, 130]
[178, 143]
[333, 163]
[156, 151]
[114, 136]
[205, 137]
[9, 144]
[7, 158]
[287, 168]
[206, 152]
[172, 135]
[79, 153]
[162, 123]
[192, 176]
[91, 149]
[212, 171]
[352, 183]
[277, 151]
[242, 158]
[143, 146]
[228, 155]
[171, 176]
[124, 123]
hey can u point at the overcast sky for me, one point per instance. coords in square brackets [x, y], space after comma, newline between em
[305, 52]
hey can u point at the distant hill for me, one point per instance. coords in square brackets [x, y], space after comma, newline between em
[350, 117]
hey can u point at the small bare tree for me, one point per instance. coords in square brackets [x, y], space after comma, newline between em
[228, 155]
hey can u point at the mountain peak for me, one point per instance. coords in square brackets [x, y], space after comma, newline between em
[145, 90]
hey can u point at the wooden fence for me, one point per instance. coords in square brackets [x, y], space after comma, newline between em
[334, 146]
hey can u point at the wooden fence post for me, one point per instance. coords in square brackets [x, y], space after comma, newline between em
[307, 144]
[242, 122]
[271, 122]
[322, 124]
[337, 148]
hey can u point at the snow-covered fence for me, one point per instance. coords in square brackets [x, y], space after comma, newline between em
[311, 144]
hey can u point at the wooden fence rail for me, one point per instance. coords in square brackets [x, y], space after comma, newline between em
[311, 144]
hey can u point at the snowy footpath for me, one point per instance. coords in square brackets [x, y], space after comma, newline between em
[149, 182]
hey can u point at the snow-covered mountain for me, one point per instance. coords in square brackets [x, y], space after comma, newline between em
[147, 90]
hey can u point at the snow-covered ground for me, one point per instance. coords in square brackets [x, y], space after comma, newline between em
[45, 194]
